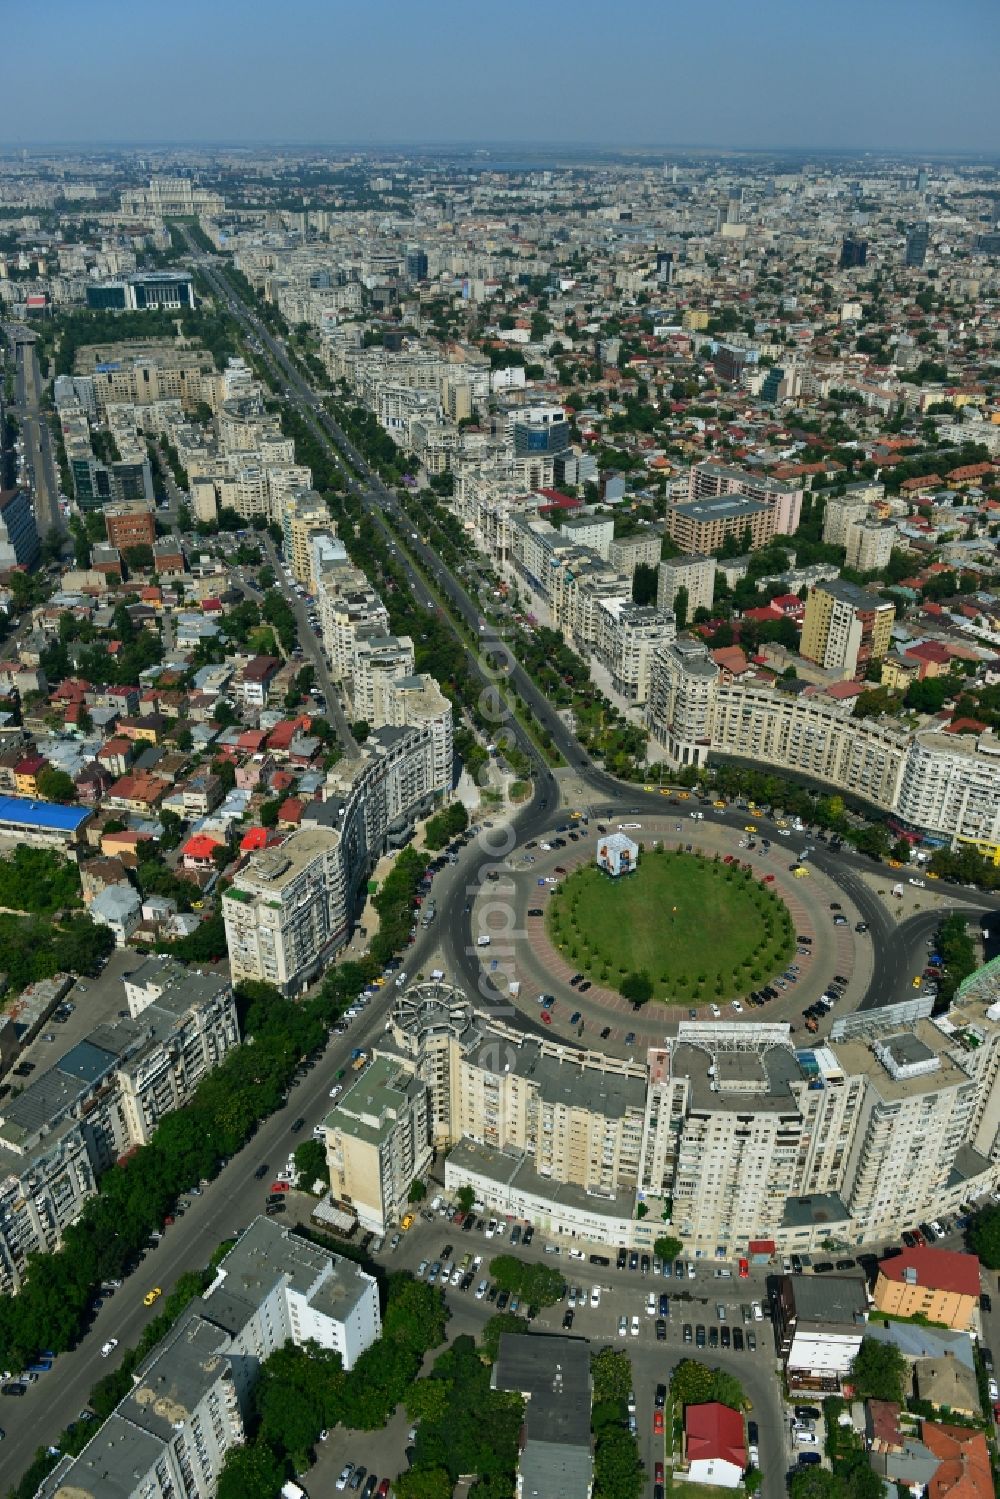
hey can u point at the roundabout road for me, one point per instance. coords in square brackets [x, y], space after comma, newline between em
[527, 955]
[880, 965]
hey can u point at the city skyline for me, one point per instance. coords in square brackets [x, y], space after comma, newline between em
[898, 81]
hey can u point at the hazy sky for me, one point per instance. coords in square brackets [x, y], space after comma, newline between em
[897, 74]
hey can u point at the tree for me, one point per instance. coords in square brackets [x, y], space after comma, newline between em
[984, 1237]
[611, 1371]
[465, 1197]
[681, 601]
[138, 558]
[637, 988]
[644, 584]
[666, 1247]
[428, 1399]
[253, 1472]
[424, 1483]
[310, 1163]
[417, 1191]
[815, 1483]
[538, 1285]
[55, 785]
[877, 1371]
[694, 1384]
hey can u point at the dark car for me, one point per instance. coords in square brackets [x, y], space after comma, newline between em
[664, 1304]
[823, 1267]
[661, 1330]
[713, 1336]
[622, 1258]
[725, 1334]
[738, 1339]
[447, 1251]
[585, 986]
[633, 1261]
[261, 1172]
[806, 1413]
[529, 1234]
[567, 1321]
[370, 1487]
[660, 1398]
[809, 1459]
[14, 1388]
[605, 1033]
[574, 1017]
[502, 1300]
[645, 1264]
[576, 979]
[600, 1259]
[536, 911]
[797, 1264]
[298, 1124]
[699, 1336]
[908, 1239]
[986, 1302]
[845, 1264]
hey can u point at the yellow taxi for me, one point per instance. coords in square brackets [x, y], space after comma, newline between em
[645, 788]
[917, 982]
[379, 982]
[683, 796]
[721, 806]
[750, 827]
[781, 823]
[665, 791]
[197, 905]
[931, 874]
[894, 863]
[801, 873]
[406, 1221]
[151, 1296]
[577, 815]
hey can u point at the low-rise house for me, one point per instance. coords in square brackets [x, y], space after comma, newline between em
[941, 1285]
[714, 1445]
[118, 907]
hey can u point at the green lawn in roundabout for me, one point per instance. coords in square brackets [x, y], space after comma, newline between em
[700, 929]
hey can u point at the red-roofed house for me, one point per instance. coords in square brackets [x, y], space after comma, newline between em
[198, 851]
[965, 726]
[939, 1284]
[930, 657]
[790, 606]
[964, 1468]
[713, 1444]
[731, 661]
[253, 840]
[290, 812]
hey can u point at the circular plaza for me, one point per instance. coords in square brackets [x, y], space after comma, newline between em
[693, 928]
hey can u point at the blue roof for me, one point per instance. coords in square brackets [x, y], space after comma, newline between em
[28, 813]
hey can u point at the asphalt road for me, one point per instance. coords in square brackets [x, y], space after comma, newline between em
[37, 439]
[312, 647]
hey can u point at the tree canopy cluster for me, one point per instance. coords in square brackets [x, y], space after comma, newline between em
[40, 881]
[446, 825]
[463, 1426]
[536, 1285]
[618, 1473]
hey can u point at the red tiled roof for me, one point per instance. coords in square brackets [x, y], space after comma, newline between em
[253, 839]
[964, 1468]
[936, 1269]
[714, 1431]
[200, 846]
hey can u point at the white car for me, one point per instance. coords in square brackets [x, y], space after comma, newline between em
[336, 1091]
[595, 1296]
[635, 1326]
[651, 1305]
[345, 1477]
[623, 1327]
[716, 1012]
[690, 1270]
[421, 1269]
[806, 1438]
[456, 1276]
[481, 1289]
[737, 1007]
[994, 1390]
[109, 1347]
[319, 1133]
[758, 1311]
[914, 881]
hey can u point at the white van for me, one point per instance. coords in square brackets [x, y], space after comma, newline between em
[482, 941]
